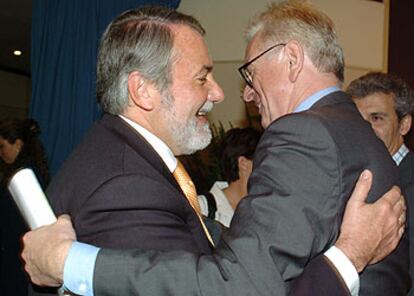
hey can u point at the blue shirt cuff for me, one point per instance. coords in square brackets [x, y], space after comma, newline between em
[79, 269]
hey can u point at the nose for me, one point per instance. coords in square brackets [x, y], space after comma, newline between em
[248, 94]
[216, 94]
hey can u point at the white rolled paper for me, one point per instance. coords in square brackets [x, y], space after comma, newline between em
[30, 199]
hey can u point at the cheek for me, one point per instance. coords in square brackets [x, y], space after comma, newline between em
[383, 134]
[10, 153]
[187, 104]
[5, 156]
[378, 131]
[187, 114]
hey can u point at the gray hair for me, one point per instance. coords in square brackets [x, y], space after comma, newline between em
[314, 30]
[137, 40]
[377, 82]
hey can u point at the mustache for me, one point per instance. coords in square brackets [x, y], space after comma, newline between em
[207, 107]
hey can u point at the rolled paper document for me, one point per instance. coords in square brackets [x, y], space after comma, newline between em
[30, 199]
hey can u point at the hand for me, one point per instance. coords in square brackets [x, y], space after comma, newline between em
[370, 232]
[45, 250]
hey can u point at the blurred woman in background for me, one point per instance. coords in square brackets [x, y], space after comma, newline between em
[19, 148]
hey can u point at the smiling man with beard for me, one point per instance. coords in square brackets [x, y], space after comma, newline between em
[118, 184]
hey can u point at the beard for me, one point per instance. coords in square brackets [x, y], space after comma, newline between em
[189, 136]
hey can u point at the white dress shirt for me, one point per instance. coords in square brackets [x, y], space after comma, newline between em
[224, 212]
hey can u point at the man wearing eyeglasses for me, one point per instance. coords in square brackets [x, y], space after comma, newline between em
[314, 138]
[305, 168]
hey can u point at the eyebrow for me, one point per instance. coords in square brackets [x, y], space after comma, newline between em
[378, 113]
[205, 70]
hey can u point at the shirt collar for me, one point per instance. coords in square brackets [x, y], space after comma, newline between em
[400, 154]
[156, 143]
[308, 102]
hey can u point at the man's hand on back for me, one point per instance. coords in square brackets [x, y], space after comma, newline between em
[370, 232]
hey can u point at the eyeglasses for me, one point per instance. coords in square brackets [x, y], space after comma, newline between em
[244, 72]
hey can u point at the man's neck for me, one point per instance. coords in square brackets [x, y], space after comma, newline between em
[313, 83]
[140, 119]
[235, 192]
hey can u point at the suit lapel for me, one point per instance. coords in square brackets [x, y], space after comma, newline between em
[136, 141]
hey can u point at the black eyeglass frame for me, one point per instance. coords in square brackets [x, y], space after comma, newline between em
[245, 74]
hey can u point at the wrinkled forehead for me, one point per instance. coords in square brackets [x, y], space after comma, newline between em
[378, 98]
[378, 102]
[190, 52]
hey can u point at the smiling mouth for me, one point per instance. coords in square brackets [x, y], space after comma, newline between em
[206, 108]
[201, 113]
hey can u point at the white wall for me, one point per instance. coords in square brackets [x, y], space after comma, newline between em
[359, 24]
[15, 95]
[360, 28]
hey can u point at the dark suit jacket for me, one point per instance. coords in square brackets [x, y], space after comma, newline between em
[407, 170]
[13, 279]
[407, 186]
[305, 168]
[319, 278]
[120, 194]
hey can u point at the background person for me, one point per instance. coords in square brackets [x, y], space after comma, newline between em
[20, 147]
[236, 151]
[387, 103]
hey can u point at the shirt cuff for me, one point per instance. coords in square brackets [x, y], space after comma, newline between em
[79, 269]
[345, 268]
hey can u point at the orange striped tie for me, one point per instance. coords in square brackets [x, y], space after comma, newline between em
[187, 186]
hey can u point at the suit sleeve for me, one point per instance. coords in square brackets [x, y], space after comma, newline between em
[125, 273]
[319, 278]
[289, 217]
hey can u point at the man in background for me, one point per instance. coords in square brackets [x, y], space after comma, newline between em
[387, 103]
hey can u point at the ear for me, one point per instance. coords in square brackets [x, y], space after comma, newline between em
[19, 144]
[405, 124]
[296, 56]
[140, 91]
[243, 165]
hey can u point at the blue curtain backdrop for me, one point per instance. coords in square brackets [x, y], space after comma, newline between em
[65, 38]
